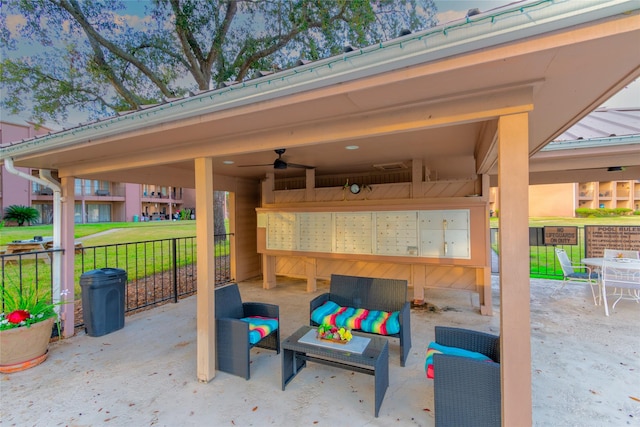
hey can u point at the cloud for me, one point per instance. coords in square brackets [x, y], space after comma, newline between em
[14, 22]
[450, 15]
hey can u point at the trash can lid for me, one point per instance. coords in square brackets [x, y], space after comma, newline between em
[101, 275]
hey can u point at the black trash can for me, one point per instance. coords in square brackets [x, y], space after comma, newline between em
[103, 300]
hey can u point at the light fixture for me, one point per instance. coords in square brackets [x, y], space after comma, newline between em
[352, 147]
[228, 162]
[615, 169]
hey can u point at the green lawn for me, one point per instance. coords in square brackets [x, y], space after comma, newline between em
[118, 232]
[543, 260]
[578, 222]
[139, 260]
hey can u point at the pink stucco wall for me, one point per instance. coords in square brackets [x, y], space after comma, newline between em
[552, 200]
[16, 190]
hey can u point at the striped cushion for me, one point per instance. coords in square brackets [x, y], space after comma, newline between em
[373, 321]
[260, 327]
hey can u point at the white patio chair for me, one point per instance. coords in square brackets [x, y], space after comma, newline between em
[621, 276]
[582, 275]
[617, 253]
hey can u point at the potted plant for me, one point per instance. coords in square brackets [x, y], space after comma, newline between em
[26, 323]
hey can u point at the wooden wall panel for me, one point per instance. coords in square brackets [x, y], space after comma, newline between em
[247, 259]
[451, 277]
[450, 188]
[330, 194]
[291, 266]
[326, 267]
[289, 196]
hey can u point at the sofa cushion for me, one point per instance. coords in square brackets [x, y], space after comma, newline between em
[260, 327]
[435, 348]
[373, 321]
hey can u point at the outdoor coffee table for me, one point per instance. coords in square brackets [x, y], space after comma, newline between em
[370, 357]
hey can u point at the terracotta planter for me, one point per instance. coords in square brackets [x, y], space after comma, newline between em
[23, 348]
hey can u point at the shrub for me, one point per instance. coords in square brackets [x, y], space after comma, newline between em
[21, 214]
[601, 212]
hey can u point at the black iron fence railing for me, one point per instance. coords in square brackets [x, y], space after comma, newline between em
[158, 271]
[543, 262]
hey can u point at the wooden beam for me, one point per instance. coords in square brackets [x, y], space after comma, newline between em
[205, 306]
[515, 324]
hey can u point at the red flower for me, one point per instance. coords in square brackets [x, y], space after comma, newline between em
[18, 316]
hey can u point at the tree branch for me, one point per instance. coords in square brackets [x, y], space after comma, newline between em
[73, 8]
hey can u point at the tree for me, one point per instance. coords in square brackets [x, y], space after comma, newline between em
[21, 214]
[97, 59]
[94, 57]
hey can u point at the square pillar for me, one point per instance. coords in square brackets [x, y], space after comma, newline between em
[205, 282]
[515, 309]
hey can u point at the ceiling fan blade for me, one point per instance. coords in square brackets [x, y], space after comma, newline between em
[250, 166]
[295, 165]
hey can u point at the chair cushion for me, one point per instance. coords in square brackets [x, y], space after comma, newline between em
[435, 348]
[593, 276]
[260, 327]
[373, 321]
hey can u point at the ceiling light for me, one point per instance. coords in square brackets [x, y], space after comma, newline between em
[351, 147]
[615, 169]
[228, 162]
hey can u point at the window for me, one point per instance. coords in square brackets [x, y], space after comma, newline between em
[98, 212]
[45, 211]
[77, 209]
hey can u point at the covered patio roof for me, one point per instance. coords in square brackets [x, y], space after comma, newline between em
[433, 96]
[476, 97]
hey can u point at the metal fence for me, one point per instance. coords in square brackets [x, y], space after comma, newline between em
[543, 262]
[158, 271]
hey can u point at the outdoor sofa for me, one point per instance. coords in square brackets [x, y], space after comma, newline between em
[375, 295]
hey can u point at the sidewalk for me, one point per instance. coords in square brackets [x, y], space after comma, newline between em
[586, 370]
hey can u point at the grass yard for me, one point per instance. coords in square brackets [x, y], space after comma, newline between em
[543, 261]
[106, 233]
[110, 245]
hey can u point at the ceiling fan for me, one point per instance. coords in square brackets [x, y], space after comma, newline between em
[279, 163]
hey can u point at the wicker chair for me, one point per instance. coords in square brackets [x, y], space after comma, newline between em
[466, 391]
[232, 334]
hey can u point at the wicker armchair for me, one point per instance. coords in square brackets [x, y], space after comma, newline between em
[466, 391]
[232, 334]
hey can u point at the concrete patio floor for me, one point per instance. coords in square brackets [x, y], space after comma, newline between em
[586, 369]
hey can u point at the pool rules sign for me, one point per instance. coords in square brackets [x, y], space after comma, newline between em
[599, 237]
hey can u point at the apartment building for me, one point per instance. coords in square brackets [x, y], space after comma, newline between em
[96, 201]
[601, 129]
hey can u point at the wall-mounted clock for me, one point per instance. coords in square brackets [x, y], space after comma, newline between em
[355, 188]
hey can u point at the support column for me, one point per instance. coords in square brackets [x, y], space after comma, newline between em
[205, 306]
[67, 270]
[310, 271]
[483, 275]
[416, 178]
[268, 261]
[515, 309]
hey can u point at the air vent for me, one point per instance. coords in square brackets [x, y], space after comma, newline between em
[390, 166]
